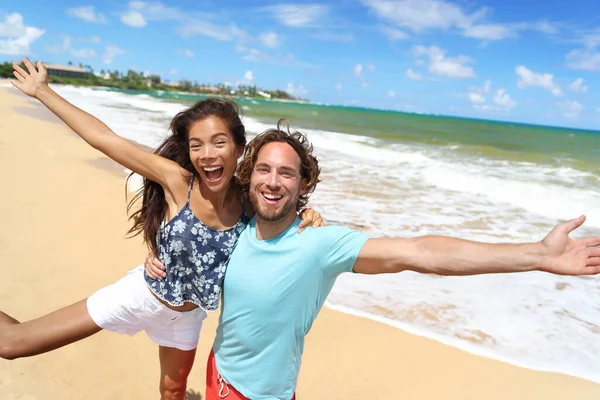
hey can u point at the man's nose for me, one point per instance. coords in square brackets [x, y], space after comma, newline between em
[273, 181]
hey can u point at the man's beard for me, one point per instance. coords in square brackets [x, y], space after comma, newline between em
[270, 213]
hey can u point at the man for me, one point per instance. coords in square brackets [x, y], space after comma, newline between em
[277, 279]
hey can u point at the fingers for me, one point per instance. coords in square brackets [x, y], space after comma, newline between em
[153, 272]
[29, 66]
[16, 84]
[318, 221]
[592, 270]
[594, 252]
[19, 77]
[20, 71]
[41, 67]
[591, 241]
[573, 224]
[154, 268]
[593, 262]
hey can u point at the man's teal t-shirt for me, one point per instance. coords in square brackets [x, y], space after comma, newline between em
[272, 293]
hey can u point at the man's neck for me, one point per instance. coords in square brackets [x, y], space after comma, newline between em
[266, 230]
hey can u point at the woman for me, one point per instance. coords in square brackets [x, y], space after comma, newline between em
[191, 216]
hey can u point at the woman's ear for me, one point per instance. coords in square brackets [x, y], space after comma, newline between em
[239, 151]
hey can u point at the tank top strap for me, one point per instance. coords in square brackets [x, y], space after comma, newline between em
[190, 187]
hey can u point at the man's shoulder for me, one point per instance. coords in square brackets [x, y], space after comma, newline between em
[328, 233]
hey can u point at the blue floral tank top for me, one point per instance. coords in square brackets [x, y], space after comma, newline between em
[195, 257]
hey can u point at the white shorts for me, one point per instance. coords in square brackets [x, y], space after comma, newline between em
[128, 306]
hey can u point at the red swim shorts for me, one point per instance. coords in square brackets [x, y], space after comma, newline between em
[217, 388]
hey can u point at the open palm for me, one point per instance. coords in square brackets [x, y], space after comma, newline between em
[568, 256]
[30, 82]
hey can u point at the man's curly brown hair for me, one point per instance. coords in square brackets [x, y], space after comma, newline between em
[309, 165]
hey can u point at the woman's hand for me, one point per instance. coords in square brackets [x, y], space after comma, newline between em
[310, 218]
[154, 268]
[30, 82]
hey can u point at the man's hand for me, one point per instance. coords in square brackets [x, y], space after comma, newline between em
[154, 268]
[30, 82]
[568, 256]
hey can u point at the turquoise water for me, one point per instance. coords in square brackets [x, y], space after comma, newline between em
[490, 139]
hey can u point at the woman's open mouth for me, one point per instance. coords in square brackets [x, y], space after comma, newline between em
[213, 174]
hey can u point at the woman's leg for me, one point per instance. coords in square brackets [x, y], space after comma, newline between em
[57, 329]
[175, 366]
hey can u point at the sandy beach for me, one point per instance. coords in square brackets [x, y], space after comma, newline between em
[63, 237]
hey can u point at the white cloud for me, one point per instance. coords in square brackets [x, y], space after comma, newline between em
[18, 36]
[253, 54]
[391, 93]
[88, 14]
[226, 33]
[249, 76]
[93, 39]
[357, 70]
[288, 60]
[65, 47]
[370, 67]
[578, 86]
[529, 78]
[110, 52]
[157, 11]
[185, 52]
[419, 15]
[423, 15]
[545, 27]
[59, 48]
[84, 53]
[296, 90]
[269, 39]
[415, 76]
[338, 87]
[586, 59]
[476, 98]
[394, 34]
[133, 19]
[172, 71]
[440, 65]
[502, 99]
[571, 109]
[299, 15]
[488, 32]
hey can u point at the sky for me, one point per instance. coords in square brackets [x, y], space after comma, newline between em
[528, 61]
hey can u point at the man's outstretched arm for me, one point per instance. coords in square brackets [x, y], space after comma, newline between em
[557, 253]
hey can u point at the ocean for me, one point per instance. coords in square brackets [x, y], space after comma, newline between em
[395, 174]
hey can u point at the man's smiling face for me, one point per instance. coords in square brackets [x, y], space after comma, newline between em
[276, 182]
